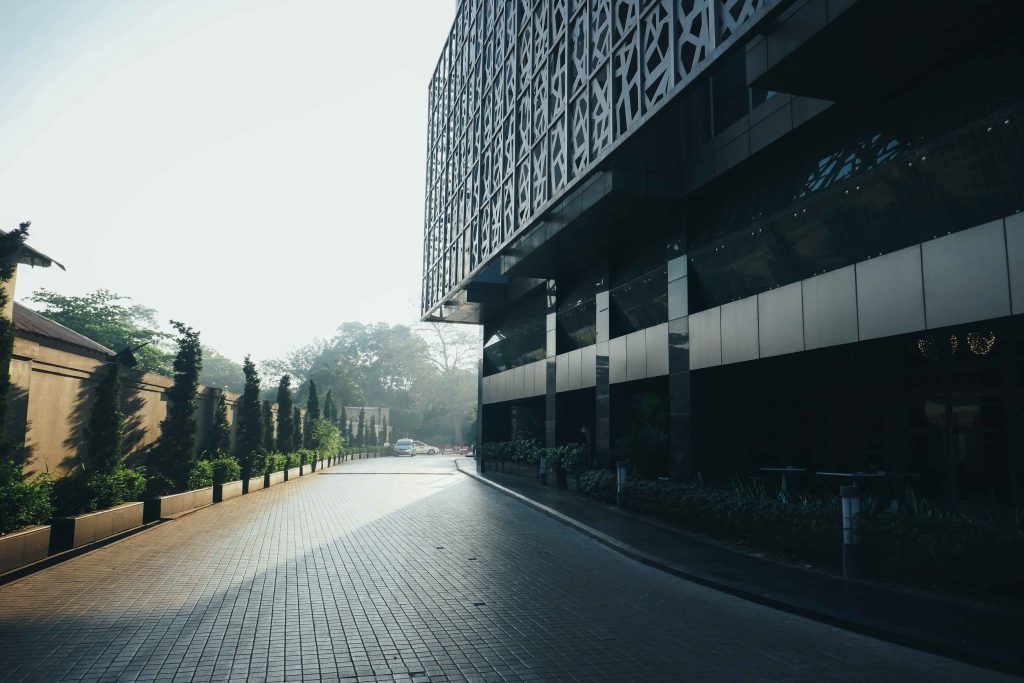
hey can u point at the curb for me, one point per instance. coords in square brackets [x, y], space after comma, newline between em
[949, 650]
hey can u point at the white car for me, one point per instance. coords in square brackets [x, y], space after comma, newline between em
[424, 449]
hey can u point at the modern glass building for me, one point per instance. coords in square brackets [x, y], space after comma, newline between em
[719, 235]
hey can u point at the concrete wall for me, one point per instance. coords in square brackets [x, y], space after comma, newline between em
[53, 387]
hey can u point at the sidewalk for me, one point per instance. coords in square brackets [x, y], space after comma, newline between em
[972, 633]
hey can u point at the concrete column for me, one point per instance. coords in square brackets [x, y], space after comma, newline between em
[679, 362]
[550, 403]
[602, 389]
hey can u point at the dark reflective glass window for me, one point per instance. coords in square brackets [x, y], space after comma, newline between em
[518, 338]
[577, 326]
[639, 303]
[953, 184]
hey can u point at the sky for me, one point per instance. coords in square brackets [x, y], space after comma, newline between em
[253, 168]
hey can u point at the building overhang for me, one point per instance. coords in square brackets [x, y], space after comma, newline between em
[816, 48]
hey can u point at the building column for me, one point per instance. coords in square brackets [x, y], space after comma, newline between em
[551, 353]
[679, 362]
[478, 439]
[602, 387]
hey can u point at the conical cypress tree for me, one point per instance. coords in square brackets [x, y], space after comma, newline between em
[219, 441]
[328, 406]
[296, 428]
[250, 428]
[175, 452]
[361, 429]
[284, 415]
[312, 413]
[384, 429]
[268, 427]
[105, 430]
[373, 430]
[343, 423]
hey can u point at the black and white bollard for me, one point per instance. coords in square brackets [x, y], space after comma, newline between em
[620, 480]
[850, 496]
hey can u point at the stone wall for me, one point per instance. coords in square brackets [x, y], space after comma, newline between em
[53, 387]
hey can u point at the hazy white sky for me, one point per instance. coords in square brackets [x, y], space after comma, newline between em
[251, 167]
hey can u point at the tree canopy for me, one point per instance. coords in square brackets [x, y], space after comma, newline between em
[114, 321]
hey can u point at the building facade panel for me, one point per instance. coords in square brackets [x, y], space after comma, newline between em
[830, 308]
[965, 276]
[890, 294]
[739, 331]
[781, 320]
[706, 338]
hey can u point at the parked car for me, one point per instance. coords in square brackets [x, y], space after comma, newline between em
[424, 449]
[405, 447]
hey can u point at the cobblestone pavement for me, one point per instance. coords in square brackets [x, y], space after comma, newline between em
[402, 569]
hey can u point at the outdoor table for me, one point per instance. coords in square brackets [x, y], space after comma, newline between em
[783, 471]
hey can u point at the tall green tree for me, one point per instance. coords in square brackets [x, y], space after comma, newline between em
[343, 423]
[361, 429]
[312, 414]
[284, 415]
[373, 430]
[268, 427]
[11, 244]
[249, 435]
[384, 430]
[105, 430]
[329, 411]
[219, 440]
[296, 428]
[175, 452]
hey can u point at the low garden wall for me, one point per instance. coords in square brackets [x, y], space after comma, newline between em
[275, 478]
[178, 503]
[24, 547]
[255, 483]
[74, 532]
[227, 490]
[293, 473]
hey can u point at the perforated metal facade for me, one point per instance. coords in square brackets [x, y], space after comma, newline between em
[530, 95]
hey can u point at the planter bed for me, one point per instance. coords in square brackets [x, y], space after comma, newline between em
[255, 483]
[177, 503]
[515, 468]
[74, 532]
[293, 473]
[227, 490]
[26, 546]
[275, 478]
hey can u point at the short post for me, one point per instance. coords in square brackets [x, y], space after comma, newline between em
[620, 481]
[850, 496]
[544, 470]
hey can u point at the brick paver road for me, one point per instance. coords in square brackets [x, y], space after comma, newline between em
[402, 569]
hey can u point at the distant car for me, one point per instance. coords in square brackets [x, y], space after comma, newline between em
[405, 447]
[424, 449]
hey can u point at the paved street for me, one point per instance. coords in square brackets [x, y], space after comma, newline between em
[403, 569]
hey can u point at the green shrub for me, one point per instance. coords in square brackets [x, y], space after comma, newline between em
[226, 469]
[948, 551]
[599, 484]
[200, 476]
[569, 458]
[303, 456]
[120, 485]
[522, 451]
[275, 462]
[25, 502]
[808, 529]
